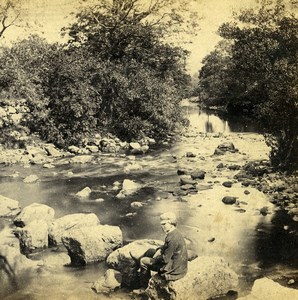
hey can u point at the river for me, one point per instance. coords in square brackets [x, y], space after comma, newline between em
[241, 238]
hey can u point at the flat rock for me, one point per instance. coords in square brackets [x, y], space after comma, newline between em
[59, 226]
[91, 244]
[8, 207]
[34, 211]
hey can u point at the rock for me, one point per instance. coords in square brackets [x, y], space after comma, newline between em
[199, 174]
[264, 211]
[227, 146]
[186, 187]
[39, 159]
[206, 277]
[220, 166]
[234, 167]
[129, 187]
[33, 236]
[218, 152]
[84, 193]
[134, 145]
[91, 244]
[34, 211]
[266, 288]
[52, 150]
[126, 259]
[136, 205]
[59, 226]
[81, 159]
[182, 172]
[246, 192]
[92, 149]
[190, 154]
[31, 179]
[111, 281]
[151, 141]
[8, 207]
[74, 149]
[34, 151]
[229, 200]
[227, 184]
[185, 180]
[48, 166]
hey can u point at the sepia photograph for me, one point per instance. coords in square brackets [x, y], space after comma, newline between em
[149, 149]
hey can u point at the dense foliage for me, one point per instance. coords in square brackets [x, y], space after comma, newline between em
[115, 73]
[255, 72]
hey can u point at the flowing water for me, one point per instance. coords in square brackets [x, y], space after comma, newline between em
[252, 243]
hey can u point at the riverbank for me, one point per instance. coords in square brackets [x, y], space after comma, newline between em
[188, 178]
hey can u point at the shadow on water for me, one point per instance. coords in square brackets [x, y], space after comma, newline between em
[277, 243]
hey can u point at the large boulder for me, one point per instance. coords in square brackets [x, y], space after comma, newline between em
[126, 259]
[59, 226]
[33, 237]
[90, 244]
[265, 288]
[34, 211]
[107, 284]
[206, 277]
[8, 207]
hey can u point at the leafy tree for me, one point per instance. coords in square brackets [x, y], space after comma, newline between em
[261, 75]
[118, 72]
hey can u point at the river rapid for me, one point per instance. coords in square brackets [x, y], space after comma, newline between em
[240, 234]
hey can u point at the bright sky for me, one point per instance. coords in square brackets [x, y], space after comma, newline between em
[51, 15]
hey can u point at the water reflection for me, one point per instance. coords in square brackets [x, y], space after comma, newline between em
[206, 122]
[210, 121]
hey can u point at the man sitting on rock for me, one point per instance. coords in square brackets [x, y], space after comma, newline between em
[170, 260]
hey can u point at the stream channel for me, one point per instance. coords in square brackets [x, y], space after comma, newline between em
[253, 244]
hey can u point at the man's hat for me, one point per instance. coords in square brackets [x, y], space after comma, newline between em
[168, 217]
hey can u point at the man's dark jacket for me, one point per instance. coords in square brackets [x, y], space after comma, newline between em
[174, 256]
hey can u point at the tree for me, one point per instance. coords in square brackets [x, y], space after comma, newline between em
[261, 77]
[128, 78]
[9, 15]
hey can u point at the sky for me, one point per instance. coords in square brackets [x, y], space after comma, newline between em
[49, 16]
